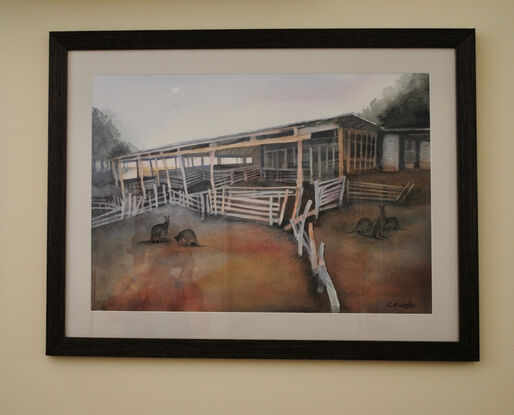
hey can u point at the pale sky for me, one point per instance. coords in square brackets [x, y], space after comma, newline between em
[156, 110]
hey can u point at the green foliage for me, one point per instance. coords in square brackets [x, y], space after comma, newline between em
[106, 138]
[404, 105]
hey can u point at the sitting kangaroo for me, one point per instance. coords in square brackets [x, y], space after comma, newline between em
[160, 231]
[363, 227]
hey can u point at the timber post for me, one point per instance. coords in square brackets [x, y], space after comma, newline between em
[120, 174]
[166, 170]
[182, 169]
[141, 174]
[340, 135]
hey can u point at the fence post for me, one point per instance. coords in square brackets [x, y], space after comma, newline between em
[283, 210]
[155, 194]
[313, 255]
[326, 281]
[223, 200]
[298, 232]
[122, 208]
[140, 206]
[341, 195]
[297, 202]
[271, 210]
[317, 197]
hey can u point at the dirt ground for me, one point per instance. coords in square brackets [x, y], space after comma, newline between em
[382, 276]
[240, 266]
[245, 266]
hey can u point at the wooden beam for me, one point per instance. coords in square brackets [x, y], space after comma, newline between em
[184, 180]
[151, 168]
[354, 152]
[327, 164]
[360, 151]
[122, 183]
[340, 137]
[166, 170]
[276, 140]
[297, 202]
[157, 171]
[375, 151]
[333, 161]
[207, 142]
[348, 153]
[114, 174]
[299, 169]
[283, 209]
[317, 128]
[319, 163]
[141, 175]
[310, 164]
[367, 162]
[211, 161]
[313, 254]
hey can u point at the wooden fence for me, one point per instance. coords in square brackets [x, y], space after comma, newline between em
[118, 209]
[307, 241]
[379, 192]
[226, 177]
[329, 194]
[263, 204]
[198, 202]
[279, 175]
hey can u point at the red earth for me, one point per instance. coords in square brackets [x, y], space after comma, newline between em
[245, 266]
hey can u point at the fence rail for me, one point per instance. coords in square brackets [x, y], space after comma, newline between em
[197, 202]
[260, 204]
[380, 192]
[329, 194]
[132, 205]
[279, 175]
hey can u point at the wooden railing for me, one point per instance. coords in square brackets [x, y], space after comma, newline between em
[226, 177]
[197, 202]
[263, 204]
[279, 175]
[379, 192]
[132, 205]
[329, 194]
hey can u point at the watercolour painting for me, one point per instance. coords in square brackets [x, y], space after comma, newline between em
[295, 193]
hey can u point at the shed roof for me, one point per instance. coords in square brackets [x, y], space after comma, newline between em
[348, 120]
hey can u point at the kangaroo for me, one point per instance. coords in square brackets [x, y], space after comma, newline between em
[379, 225]
[160, 230]
[186, 237]
[391, 223]
[363, 227]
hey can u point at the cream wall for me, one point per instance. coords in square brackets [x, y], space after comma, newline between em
[31, 383]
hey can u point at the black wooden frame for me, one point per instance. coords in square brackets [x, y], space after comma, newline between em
[461, 40]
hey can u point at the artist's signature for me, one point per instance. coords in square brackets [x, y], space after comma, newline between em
[405, 305]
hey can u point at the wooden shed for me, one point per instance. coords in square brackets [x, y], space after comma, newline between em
[405, 148]
[303, 151]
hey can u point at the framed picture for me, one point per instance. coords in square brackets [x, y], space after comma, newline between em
[292, 194]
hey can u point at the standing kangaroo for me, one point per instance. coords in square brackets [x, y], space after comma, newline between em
[379, 225]
[160, 230]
